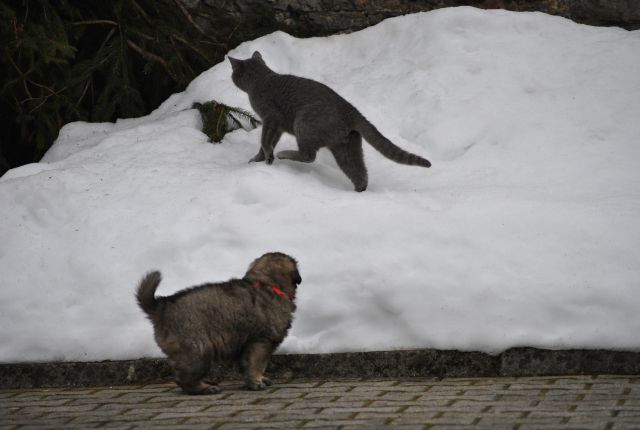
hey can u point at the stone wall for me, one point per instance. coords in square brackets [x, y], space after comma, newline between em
[321, 17]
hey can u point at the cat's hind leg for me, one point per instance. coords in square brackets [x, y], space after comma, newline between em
[350, 159]
[310, 135]
[304, 157]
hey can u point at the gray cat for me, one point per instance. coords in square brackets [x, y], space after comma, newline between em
[316, 115]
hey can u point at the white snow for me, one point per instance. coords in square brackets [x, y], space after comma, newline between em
[526, 230]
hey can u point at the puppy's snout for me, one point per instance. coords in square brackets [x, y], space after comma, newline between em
[296, 277]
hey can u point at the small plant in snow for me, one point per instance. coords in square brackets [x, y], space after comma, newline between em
[218, 119]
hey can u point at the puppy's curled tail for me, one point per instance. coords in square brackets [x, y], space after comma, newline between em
[146, 292]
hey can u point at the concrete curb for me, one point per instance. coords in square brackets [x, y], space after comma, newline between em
[395, 364]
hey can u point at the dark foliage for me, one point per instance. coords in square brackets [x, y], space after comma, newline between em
[71, 60]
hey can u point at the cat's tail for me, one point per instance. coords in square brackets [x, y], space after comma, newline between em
[385, 146]
[146, 292]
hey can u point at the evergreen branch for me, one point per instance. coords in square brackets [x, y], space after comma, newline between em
[84, 92]
[39, 105]
[144, 36]
[95, 21]
[14, 21]
[20, 72]
[26, 88]
[232, 32]
[187, 15]
[141, 12]
[221, 125]
[106, 39]
[235, 120]
[216, 44]
[53, 92]
[245, 114]
[43, 99]
[149, 56]
[188, 45]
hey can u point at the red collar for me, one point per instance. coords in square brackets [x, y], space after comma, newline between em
[275, 289]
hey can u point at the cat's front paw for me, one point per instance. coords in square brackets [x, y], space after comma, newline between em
[269, 159]
[258, 157]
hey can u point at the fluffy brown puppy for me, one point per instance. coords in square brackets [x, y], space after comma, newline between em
[241, 319]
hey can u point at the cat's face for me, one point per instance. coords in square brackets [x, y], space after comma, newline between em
[245, 70]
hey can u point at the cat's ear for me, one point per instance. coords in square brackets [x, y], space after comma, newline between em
[235, 64]
[258, 57]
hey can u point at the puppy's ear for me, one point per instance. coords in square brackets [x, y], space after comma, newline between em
[296, 276]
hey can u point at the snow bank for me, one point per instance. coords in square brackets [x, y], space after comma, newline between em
[524, 232]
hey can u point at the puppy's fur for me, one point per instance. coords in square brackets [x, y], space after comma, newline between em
[241, 319]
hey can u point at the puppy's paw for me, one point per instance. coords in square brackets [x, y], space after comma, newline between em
[269, 159]
[266, 381]
[211, 389]
[256, 386]
[201, 388]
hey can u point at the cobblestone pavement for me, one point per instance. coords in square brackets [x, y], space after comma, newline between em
[577, 402]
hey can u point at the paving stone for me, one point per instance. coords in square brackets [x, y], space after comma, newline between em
[625, 424]
[453, 427]
[178, 398]
[322, 392]
[351, 397]
[50, 421]
[309, 414]
[341, 381]
[453, 408]
[378, 383]
[47, 402]
[36, 408]
[418, 381]
[50, 426]
[339, 409]
[313, 404]
[422, 405]
[403, 426]
[154, 426]
[340, 413]
[454, 417]
[208, 413]
[473, 398]
[339, 423]
[526, 426]
[231, 425]
[628, 413]
[498, 418]
[92, 418]
[415, 389]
